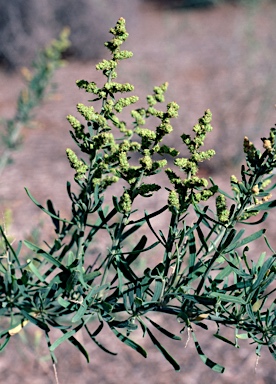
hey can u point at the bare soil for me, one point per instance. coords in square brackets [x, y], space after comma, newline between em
[222, 58]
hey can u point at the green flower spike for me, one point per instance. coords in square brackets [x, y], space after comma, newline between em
[87, 112]
[126, 202]
[78, 165]
[222, 211]
[77, 126]
[173, 201]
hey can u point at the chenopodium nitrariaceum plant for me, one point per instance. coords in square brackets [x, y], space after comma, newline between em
[203, 275]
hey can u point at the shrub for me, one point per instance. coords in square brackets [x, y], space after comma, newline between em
[38, 80]
[202, 272]
[26, 25]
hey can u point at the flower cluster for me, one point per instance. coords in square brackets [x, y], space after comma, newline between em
[78, 165]
[222, 211]
[193, 189]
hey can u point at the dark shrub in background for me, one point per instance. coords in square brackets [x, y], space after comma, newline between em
[27, 25]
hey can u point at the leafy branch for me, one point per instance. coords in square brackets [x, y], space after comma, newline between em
[203, 274]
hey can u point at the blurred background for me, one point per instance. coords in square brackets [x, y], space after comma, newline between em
[215, 54]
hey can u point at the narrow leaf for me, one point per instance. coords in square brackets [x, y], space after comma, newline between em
[224, 339]
[163, 330]
[214, 366]
[44, 209]
[129, 342]
[192, 249]
[164, 352]
[228, 298]
[44, 254]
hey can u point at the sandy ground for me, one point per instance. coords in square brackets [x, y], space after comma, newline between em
[222, 58]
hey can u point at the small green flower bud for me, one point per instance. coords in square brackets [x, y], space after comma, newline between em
[266, 183]
[222, 211]
[172, 109]
[267, 145]
[124, 102]
[87, 112]
[161, 163]
[108, 65]
[146, 162]
[118, 87]
[207, 193]
[234, 179]
[195, 182]
[124, 164]
[154, 112]
[255, 190]
[151, 100]
[105, 181]
[249, 148]
[78, 165]
[134, 146]
[174, 179]
[89, 87]
[164, 129]
[187, 165]
[146, 133]
[103, 139]
[247, 215]
[173, 201]
[138, 116]
[77, 126]
[126, 202]
[164, 149]
[207, 118]
[121, 55]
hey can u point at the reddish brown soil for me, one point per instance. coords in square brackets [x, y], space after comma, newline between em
[222, 58]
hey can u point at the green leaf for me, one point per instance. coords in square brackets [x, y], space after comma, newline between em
[265, 268]
[61, 339]
[134, 254]
[10, 246]
[242, 336]
[164, 352]
[63, 303]
[44, 254]
[163, 330]
[116, 204]
[224, 273]
[83, 306]
[158, 289]
[245, 241]
[131, 230]
[202, 238]
[129, 342]
[44, 209]
[35, 321]
[228, 298]
[35, 270]
[54, 215]
[225, 340]
[264, 206]
[214, 366]
[272, 350]
[91, 276]
[151, 215]
[137, 250]
[69, 336]
[262, 219]
[3, 345]
[93, 337]
[192, 249]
